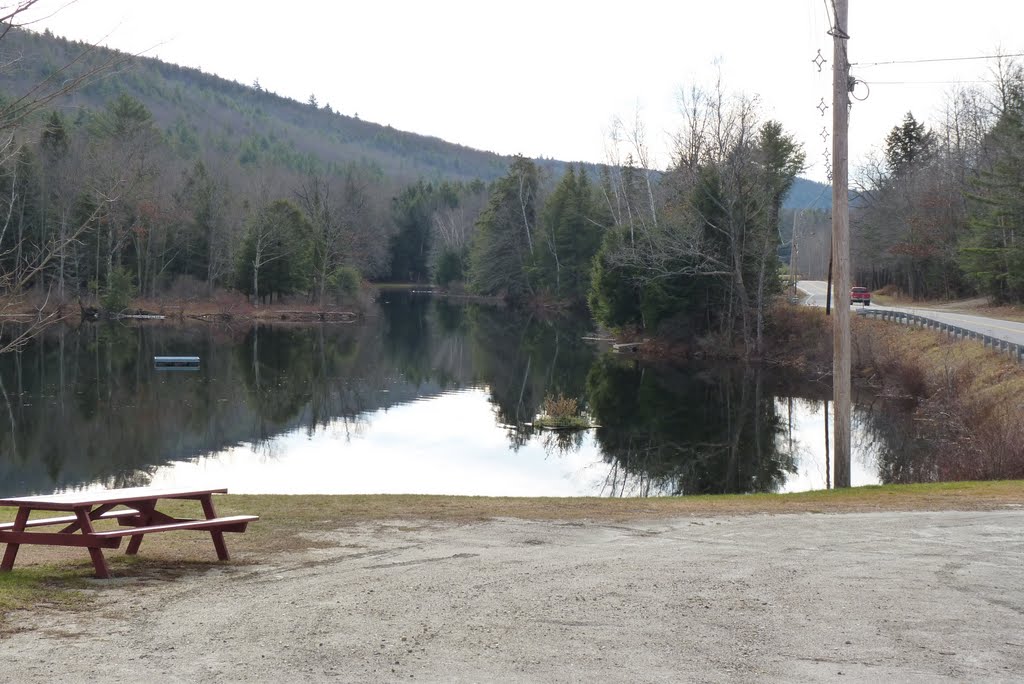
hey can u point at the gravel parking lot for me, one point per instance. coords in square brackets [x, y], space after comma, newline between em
[808, 597]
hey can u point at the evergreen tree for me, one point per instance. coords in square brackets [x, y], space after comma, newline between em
[410, 246]
[780, 158]
[908, 144]
[709, 264]
[55, 140]
[572, 230]
[275, 254]
[993, 254]
[909, 218]
[124, 118]
[504, 245]
[451, 267]
[615, 291]
[124, 139]
[200, 239]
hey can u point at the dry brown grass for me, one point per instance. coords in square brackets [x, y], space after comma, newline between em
[799, 337]
[220, 305]
[560, 406]
[301, 513]
[972, 395]
[293, 524]
[235, 306]
[1006, 313]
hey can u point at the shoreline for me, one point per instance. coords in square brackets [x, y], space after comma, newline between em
[472, 588]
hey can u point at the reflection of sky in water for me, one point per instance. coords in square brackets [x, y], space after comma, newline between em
[451, 444]
[808, 446]
[448, 444]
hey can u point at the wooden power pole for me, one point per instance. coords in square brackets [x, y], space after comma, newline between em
[841, 243]
[792, 256]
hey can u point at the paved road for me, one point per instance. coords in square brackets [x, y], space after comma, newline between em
[1011, 331]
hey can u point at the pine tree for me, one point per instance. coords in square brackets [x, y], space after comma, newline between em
[504, 245]
[275, 254]
[54, 140]
[573, 227]
[908, 144]
[410, 246]
[993, 255]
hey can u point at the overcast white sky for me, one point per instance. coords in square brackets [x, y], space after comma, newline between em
[545, 78]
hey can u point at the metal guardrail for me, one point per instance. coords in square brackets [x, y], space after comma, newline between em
[1012, 349]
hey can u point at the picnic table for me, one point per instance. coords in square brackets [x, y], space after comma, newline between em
[134, 509]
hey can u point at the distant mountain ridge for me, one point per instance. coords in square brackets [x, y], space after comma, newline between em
[198, 111]
[808, 194]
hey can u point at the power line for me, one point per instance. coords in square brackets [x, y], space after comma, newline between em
[936, 59]
[922, 82]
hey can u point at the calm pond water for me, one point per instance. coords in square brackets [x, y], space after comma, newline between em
[425, 396]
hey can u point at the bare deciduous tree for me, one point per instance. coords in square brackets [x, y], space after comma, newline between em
[720, 214]
[32, 256]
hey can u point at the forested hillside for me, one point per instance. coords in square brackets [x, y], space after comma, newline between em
[200, 112]
[156, 180]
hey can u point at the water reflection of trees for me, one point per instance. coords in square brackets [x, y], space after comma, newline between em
[524, 359]
[119, 419]
[406, 333]
[663, 430]
[561, 441]
[675, 431]
[911, 446]
[86, 408]
[424, 340]
[85, 404]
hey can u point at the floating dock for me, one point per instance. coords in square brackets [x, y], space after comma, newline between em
[176, 362]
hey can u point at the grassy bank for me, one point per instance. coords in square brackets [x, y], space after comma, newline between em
[964, 400]
[220, 306]
[968, 401]
[60, 577]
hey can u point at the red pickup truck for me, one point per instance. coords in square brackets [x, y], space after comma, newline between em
[860, 294]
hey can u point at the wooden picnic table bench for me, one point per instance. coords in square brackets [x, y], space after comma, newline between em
[139, 517]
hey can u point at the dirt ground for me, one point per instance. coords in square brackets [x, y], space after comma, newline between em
[936, 596]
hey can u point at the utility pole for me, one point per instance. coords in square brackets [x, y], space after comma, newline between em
[841, 242]
[792, 256]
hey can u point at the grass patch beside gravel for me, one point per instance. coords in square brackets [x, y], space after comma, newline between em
[295, 514]
[60, 577]
[52, 584]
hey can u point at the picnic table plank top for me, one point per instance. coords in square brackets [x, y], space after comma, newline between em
[71, 500]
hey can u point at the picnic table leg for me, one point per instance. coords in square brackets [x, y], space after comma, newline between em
[98, 561]
[146, 509]
[217, 535]
[12, 549]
